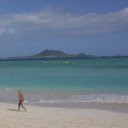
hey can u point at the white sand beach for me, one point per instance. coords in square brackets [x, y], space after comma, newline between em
[52, 117]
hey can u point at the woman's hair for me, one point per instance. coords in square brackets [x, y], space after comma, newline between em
[19, 91]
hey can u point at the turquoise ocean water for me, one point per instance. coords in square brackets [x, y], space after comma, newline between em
[71, 80]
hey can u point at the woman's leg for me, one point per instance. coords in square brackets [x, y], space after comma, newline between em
[19, 105]
[23, 106]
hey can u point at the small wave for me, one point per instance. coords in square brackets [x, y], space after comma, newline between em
[61, 62]
[25, 101]
[52, 101]
[101, 98]
[97, 98]
[9, 89]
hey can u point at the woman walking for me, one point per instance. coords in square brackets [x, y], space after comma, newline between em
[21, 100]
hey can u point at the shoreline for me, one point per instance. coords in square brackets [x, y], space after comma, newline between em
[58, 100]
[114, 107]
[57, 117]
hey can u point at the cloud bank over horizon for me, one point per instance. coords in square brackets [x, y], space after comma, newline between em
[95, 28]
[55, 23]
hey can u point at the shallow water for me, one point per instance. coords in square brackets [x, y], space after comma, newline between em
[66, 80]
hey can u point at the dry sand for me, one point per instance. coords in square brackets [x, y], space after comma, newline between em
[51, 117]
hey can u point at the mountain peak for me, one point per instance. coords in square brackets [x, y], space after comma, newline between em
[57, 54]
[51, 54]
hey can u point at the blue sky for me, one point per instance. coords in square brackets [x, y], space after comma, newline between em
[73, 26]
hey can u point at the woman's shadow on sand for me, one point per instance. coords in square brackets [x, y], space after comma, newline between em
[12, 110]
[15, 110]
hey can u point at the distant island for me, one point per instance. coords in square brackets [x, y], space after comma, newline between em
[56, 54]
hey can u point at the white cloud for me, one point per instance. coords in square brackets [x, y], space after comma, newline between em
[7, 30]
[2, 30]
[65, 23]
